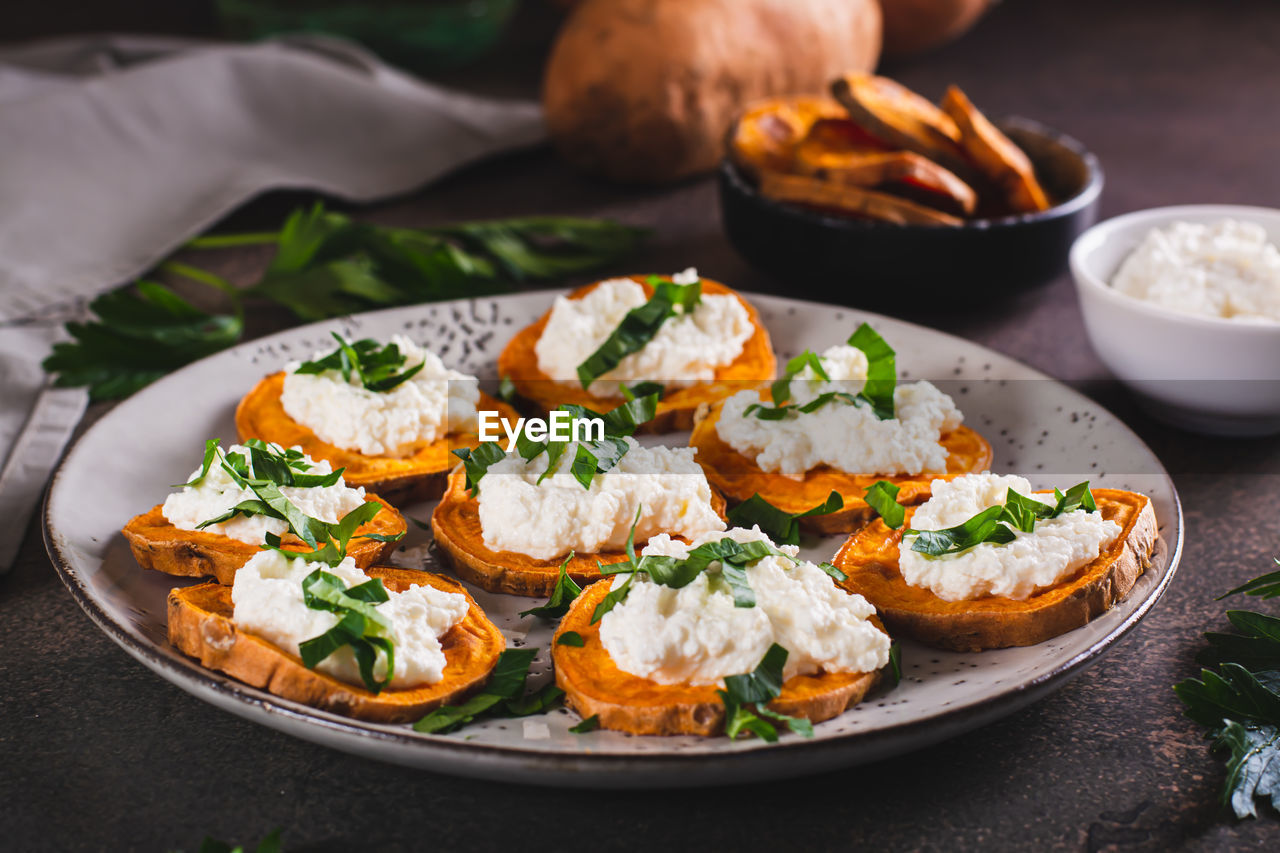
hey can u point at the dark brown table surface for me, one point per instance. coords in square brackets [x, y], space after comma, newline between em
[1181, 101]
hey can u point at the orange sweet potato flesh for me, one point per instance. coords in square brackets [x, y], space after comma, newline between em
[870, 560]
[201, 626]
[519, 361]
[455, 524]
[902, 119]
[766, 136]
[839, 151]
[738, 477]
[995, 155]
[158, 545]
[416, 477]
[846, 198]
[594, 686]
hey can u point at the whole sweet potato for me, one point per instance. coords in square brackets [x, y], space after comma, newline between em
[644, 91]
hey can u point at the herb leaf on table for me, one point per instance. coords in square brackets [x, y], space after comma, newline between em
[326, 265]
[1237, 700]
[503, 696]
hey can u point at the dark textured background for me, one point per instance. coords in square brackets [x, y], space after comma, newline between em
[1179, 100]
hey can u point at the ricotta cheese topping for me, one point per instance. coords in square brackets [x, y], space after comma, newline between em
[217, 493]
[847, 437]
[267, 596]
[430, 404]
[1221, 269]
[1054, 550]
[549, 519]
[695, 634]
[686, 347]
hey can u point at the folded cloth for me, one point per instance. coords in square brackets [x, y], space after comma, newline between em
[118, 149]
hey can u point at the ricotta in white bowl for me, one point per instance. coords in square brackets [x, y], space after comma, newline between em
[1033, 561]
[268, 602]
[217, 493]
[1226, 268]
[696, 635]
[549, 519]
[686, 347]
[432, 403]
[847, 437]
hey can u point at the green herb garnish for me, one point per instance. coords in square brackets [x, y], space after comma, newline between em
[640, 325]
[565, 591]
[503, 696]
[895, 664]
[745, 698]
[779, 525]
[877, 391]
[326, 265]
[359, 626]
[642, 389]
[1266, 586]
[570, 638]
[590, 724]
[376, 366]
[995, 524]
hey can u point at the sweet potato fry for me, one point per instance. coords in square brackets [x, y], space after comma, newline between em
[870, 168]
[766, 135]
[902, 119]
[802, 189]
[995, 155]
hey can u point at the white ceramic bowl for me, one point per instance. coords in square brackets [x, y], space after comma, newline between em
[1207, 374]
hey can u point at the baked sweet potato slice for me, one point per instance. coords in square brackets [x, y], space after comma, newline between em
[519, 361]
[401, 480]
[901, 118]
[455, 524]
[766, 134]
[999, 159]
[594, 685]
[877, 168]
[870, 560]
[847, 198]
[201, 626]
[738, 477]
[158, 545]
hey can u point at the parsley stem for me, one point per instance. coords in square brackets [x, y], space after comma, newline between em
[224, 241]
[207, 278]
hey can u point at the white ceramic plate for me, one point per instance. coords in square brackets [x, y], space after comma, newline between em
[1038, 427]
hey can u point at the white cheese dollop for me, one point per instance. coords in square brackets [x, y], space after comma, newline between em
[695, 634]
[847, 437]
[432, 403]
[267, 595]
[550, 519]
[1033, 561]
[1219, 269]
[217, 493]
[685, 347]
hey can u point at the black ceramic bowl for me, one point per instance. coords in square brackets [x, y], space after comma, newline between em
[881, 265]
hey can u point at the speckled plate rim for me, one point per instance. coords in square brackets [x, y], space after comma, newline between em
[611, 768]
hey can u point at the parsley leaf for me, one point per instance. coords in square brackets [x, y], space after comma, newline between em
[375, 365]
[639, 326]
[566, 590]
[779, 525]
[780, 390]
[325, 265]
[570, 638]
[590, 724]
[503, 696]
[137, 339]
[476, 462]
[756, 689]
[1266, 586]
[359, 626]
[882, 496]
[882, 370]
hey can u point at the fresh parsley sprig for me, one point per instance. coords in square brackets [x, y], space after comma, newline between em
[877, 390]
[359, 625]
[640, 325]
[1237, 700]
[995, 524]
[745, 699]
[325, 265]
[376, 366]
[779, 525]
[503, 696]
[590, 457]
